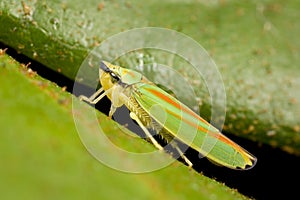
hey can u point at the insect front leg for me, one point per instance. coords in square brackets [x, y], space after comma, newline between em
[93, 99]
[148, 134]
[117, 99]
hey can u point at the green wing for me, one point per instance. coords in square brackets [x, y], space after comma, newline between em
[190, 128]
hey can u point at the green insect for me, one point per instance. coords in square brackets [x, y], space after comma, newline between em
[152, 107]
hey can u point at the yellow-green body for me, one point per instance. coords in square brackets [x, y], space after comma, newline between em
[171, 119]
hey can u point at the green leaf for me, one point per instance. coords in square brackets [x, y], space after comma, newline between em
[254, 44]
[43, 158]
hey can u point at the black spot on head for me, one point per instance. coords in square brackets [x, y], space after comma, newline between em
[114, 76]
[104, 67]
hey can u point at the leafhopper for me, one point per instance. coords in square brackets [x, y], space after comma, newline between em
[153, 108]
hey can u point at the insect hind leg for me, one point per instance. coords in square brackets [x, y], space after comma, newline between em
[188, 162]
[148, 134]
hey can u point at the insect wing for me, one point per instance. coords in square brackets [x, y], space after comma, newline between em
[189, 128]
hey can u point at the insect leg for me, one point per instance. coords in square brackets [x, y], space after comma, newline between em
[92, 99]
[112, 111]
[190, 164]
[97, 93]
[155, 143]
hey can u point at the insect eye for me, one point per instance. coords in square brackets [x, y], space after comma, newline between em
[114, 76]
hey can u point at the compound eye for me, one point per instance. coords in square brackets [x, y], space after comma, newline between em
[114, 76]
